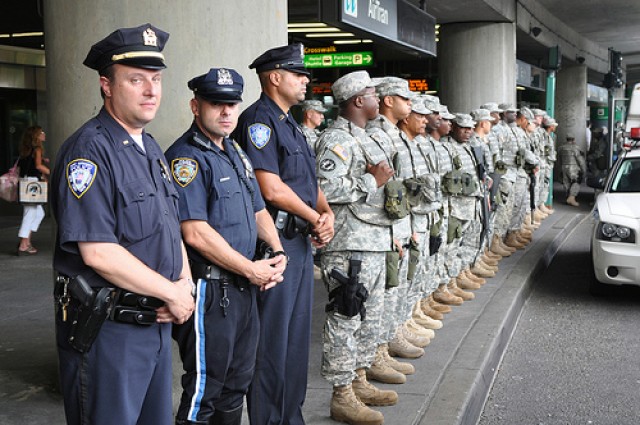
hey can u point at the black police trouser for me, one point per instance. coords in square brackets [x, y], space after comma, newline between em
[279, 386]
[125, 378]
[218, 352]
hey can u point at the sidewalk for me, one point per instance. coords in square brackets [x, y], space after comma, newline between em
[451, 380]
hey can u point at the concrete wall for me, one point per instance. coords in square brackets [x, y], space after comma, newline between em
[204, 34]
[477, 64]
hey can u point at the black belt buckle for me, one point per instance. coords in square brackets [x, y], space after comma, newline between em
[137, 317]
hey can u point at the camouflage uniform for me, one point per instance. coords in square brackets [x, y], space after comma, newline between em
[387, 136]
[466, 208]
[508, 150]
[549, 156]
[311, 134]
[517, 146]
[573, 163]
[361, 225]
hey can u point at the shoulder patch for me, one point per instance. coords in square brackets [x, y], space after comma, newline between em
[184, 170]
[340, 151]
[81, 174]
[327, 164]
[260, 134]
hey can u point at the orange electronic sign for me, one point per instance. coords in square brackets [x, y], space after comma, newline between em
[418, 84]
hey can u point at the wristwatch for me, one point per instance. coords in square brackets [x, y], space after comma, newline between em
[276, 253]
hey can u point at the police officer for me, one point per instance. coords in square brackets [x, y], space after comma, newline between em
[118, 250]
[222, 214]
[573, 168]
[285, 169]
[312, 116]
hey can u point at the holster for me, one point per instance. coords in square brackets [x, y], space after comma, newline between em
[349, 297]
[414, 259]
[435, 242]
[290, 225]
[89, 319]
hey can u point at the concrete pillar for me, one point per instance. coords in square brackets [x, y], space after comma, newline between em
[203, 34]
[477, 64]
[571, 104]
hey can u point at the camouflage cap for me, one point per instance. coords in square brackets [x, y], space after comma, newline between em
[549, 122]
[538, 112]
[464, 120]
[431, 102]
[417, 106]
[481, 115]
[491, 107]
[315, 105]
[527, 113]
[444, 112]
[507, 107]
[350, 84]
[394, 86]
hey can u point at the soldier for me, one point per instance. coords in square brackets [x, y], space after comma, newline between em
[549, 125]
[526, 127]
[538, 140]
[425, 197]
[218, 344]
[395, 105]
[312, 117]
[285, 169]
[352, 171]
[464, 207]
[573, 168]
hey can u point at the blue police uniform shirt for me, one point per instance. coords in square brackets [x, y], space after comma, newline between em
[274, 142]
[106, 189]
[217, 186]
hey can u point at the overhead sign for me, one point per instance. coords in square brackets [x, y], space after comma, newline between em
[339, 60]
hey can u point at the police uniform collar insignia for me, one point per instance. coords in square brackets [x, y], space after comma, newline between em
[149, 37]
[260, 134]
[81, 174]
[125, 142]
[282, 116]
[224, 77]
[184, 170]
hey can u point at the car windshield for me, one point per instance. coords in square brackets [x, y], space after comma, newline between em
[627, 179]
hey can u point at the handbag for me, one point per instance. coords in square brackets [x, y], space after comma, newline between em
[9, 184]
[32, 191]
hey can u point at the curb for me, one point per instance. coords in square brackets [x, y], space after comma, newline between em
[475, 361]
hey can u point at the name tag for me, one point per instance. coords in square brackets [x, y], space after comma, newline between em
[224, 179]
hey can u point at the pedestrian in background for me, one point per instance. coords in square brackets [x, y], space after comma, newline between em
[32, 166]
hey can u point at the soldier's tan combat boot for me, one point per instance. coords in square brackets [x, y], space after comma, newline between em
[414, 338]
[381, 371]
[571, 200]
[538, 215]
[430, 311]
[546, 209]
[472, 277]
[528, 224]
[506, 247]
[497, 248]
[442, 308]
[423, 320]
[419, 330]
[400, 347]
[443, 296]
[512, 241]
[402, 367]
[453, 288]
[492, 267]
[345, 407]
[491, 255]
[371, 395]
[464, 282]
[481, 271]
[525, 235]
[489, 261]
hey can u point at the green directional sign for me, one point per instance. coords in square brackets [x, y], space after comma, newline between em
[339, 60]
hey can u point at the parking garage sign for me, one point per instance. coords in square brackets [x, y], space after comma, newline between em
[339, 60]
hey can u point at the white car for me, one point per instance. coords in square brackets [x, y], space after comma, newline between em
[615, 243]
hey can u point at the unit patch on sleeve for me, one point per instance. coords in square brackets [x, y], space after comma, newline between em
[184, 170]
[327, 164]
[260, 135]
[80, 176]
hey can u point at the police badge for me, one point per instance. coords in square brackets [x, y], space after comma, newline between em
[80, 176]
[184, 170]
[149, 37]
[260, 135]
[224, 77]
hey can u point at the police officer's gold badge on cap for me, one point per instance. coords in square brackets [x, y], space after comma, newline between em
[140, 47]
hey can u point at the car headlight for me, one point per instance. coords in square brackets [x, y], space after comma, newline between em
[614, 233]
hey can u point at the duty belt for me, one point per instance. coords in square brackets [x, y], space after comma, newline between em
[213, 272]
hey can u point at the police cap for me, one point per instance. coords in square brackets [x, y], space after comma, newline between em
[139, 47]
[222, 85]
[289, 58]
